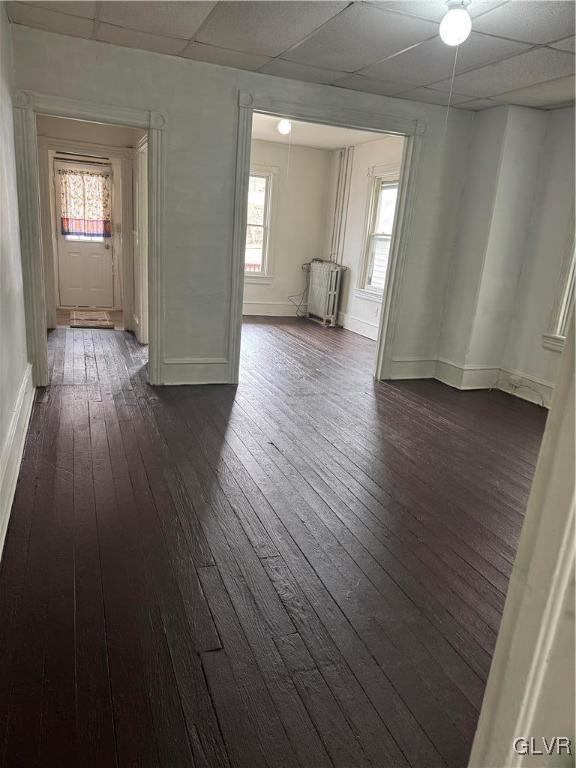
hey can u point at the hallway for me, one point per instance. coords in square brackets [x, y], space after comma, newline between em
[308, 569]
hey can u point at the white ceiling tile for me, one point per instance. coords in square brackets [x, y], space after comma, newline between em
[435, 9]
[433, 60]
[369, 85]
[42, 18]
[565, 45]
[172, 19]
[265, 28]
[224, 57]
[477, 105]
[551, 94]
[430, 96]
[530, 21]
[536, 66]
[84, 9]
[295, 71]
[132, 38]
[360, 36]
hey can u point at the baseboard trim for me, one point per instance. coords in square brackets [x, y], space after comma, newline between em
[526, 387]
[271, 308]
[13, 448]
[413, 368]
[517, 383]
[362, 327]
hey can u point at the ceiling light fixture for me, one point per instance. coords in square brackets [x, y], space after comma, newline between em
[284, 127]
[456, 24]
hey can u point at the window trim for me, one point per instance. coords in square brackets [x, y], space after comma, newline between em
[270, 173]
[379, 180]
[555, 338]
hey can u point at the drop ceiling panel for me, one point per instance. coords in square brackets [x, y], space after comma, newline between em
[359, 36]
[295, 71]
[430, 96]
[87, 9]
[536, 66]
[172, 19]
[433, 60]
[530, 21]
[434, 9]
[548, 94]
[476, 105]
[134, 39]
[42, 18]
[224, 57]
[265, 28]
[370, 85]
[565, 45]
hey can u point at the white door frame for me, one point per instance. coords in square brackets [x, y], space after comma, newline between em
[26, 106]
[384, 123]
[48, 148]
[538, 607]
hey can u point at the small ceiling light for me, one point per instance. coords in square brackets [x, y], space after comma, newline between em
[284, 127]
[456, 24]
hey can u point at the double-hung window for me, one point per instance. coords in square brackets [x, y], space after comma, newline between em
[379, 236]
[256, 260]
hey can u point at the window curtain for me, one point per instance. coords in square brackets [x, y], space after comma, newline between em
[85, 203]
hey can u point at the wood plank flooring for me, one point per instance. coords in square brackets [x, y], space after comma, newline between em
[306, 570]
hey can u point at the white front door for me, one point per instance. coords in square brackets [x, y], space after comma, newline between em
[85, 261]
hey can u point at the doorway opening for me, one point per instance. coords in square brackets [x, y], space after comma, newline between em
[322, 209]
[93, 190]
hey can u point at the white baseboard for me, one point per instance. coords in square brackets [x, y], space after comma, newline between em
[413, 368]
[362, 327]
[12, 449]
[271, 308]
[517, 383]
[464, 376]
[527, 387]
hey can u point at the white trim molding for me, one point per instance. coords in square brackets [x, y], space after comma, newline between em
[553, 341]
[355, 324]
[530, 690]
[267, 102]
[26, 106]
[13, 448]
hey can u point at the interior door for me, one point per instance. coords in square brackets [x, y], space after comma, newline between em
[85, 247]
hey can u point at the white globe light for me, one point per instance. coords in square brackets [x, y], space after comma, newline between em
[284, 127]
[455, 26]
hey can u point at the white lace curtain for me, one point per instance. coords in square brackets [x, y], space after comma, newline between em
[85, 203]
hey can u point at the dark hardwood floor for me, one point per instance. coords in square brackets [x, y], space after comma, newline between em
[306, 570]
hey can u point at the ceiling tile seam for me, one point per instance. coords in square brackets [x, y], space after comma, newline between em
[522, 88]
[499, 61]
[313, 32]
[459, 72]
[185, 41]
[424, 18]
[308, 36]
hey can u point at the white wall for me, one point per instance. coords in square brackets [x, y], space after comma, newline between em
[358, 312]
[15, 380]
[298, 223]
[515, 232]
[548, 245]
[201, 104]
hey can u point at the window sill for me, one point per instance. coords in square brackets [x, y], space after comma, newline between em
[250, 279]
[553, 341]
[368, 294]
